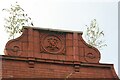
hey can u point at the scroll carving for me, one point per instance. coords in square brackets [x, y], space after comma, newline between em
[92, 56]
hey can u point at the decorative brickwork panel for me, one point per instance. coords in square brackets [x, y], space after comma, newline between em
[18, 46]
[88, 53]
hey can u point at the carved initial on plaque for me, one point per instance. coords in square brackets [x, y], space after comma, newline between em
[52, 44]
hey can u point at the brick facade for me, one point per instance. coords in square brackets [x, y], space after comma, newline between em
[49, 53]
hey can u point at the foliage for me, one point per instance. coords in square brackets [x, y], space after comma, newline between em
[93, 35]
[16, 20]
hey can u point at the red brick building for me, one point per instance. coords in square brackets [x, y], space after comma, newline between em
[48, 53]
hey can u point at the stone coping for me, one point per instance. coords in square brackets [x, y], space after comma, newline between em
[56, 30]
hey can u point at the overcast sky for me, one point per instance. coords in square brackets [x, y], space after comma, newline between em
[71, 15]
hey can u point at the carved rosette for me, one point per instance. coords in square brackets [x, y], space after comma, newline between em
[52, 43]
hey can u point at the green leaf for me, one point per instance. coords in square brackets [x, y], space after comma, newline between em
[93, 35]
[15, 20]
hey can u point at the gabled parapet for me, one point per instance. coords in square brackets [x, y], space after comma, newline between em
[52, 44]
[49, 53]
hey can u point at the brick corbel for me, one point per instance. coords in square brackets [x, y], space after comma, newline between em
[76, 68]
[31, 62]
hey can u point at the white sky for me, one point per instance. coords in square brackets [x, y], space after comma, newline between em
[71, 15]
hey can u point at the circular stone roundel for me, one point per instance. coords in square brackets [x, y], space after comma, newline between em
[52, 44]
